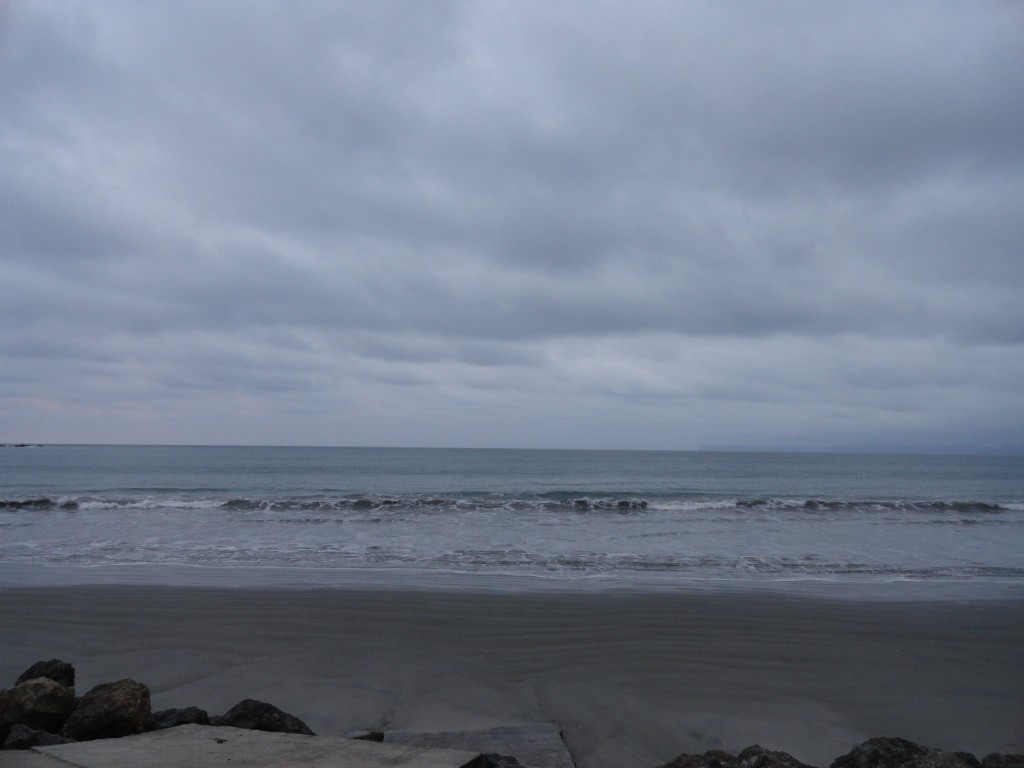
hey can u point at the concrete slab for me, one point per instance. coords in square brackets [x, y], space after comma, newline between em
[203, 746]
[19, 758]
[536, 745]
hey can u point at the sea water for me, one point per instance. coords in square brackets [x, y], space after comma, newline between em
[932, 525]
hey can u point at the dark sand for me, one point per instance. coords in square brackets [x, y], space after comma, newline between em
[632, 679]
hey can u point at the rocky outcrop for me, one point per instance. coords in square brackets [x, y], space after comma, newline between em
[873, 753]
[713, 758]
[493, 760]
[39, 703]
[376, 736]
[260, 716]
[752, 757]
[888, 752]
[36, 707]
[108, 711]
[759, 757]
[54, 669]
[41, 710]
[170, 718]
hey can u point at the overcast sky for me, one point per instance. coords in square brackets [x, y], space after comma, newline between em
[653, 224]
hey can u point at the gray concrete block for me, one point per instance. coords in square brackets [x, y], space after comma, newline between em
[201, 746]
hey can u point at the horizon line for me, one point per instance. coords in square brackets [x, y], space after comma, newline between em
[894, 450]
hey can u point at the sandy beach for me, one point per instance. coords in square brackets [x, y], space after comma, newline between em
[632, 679]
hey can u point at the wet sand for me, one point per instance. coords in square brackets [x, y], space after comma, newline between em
[632, 679]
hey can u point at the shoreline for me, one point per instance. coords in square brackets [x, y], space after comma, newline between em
[271, 578]
[632, 678]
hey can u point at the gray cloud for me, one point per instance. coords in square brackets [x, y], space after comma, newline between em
[569, 223]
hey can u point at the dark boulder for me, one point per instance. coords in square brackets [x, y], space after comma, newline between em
[259, 716]
[171, 718]
[713, 758]
[752, 757]
[493, 760]
[377, 736]
[759, 757]
[23, 737]
[40, 703]
[899, 753]
[108, 711]
[54, 669]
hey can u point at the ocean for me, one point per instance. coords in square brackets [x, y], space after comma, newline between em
[891, 525]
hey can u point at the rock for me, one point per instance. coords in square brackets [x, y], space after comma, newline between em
[108, 711]
[54, 669]
[41, 703]
[493, 760]
[23, 737]
[899, 753]
[996, 760]
[170, 718]
[757, 756]
[377, 736]
[713, 758]
[754, 756]
[259, 716]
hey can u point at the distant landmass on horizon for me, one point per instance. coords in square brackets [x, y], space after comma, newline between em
[944, 450]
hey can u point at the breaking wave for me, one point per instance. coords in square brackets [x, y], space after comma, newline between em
[553, 502]
[971, 507]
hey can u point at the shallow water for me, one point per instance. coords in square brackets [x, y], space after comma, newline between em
[650, 520]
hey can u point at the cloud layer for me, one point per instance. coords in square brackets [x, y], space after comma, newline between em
[587, 224]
